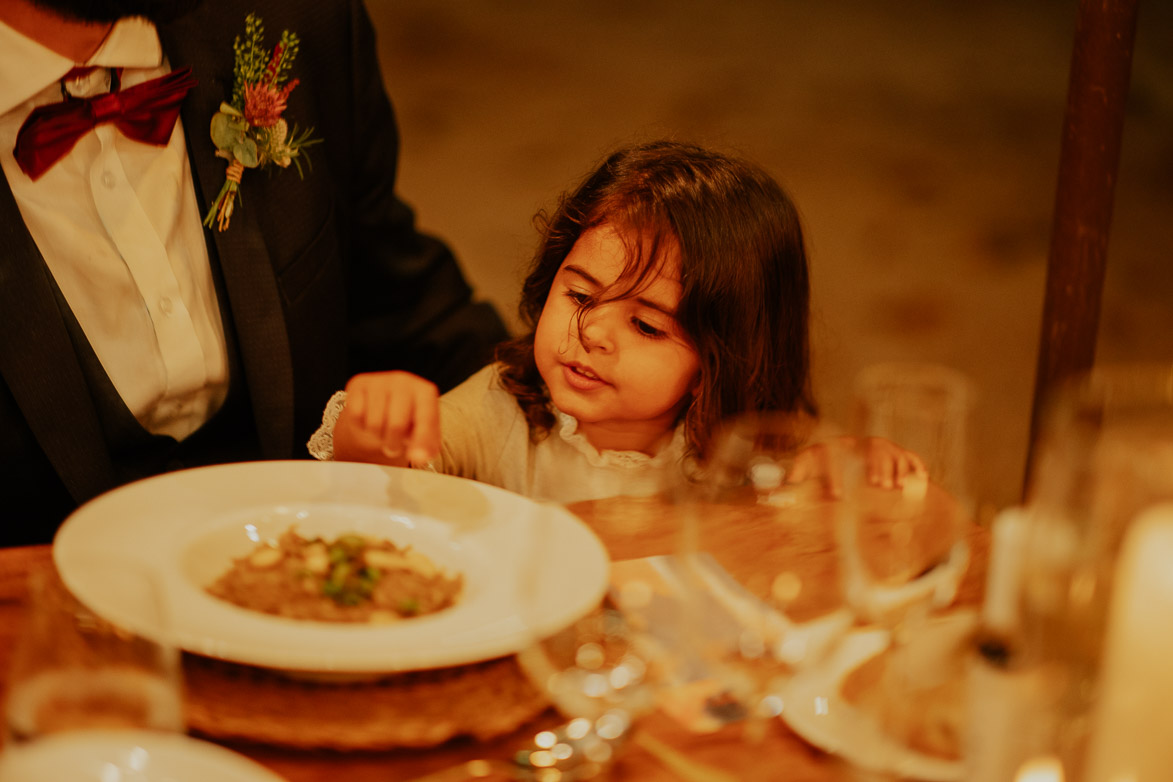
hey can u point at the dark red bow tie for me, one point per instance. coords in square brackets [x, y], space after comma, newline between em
[145, 112]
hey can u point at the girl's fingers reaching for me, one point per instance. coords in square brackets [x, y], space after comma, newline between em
[411, 431]
[888, 464]
[902, 467]
[832, 463]
[398, 410]
[353, 441]
[885, 464]
[805, 465]
[822, 462]
[365, 402]
[375, 415]
[916, 464]
[877, 463]
[396, 414]
[880, 467]
[909, 465]
[424, 442]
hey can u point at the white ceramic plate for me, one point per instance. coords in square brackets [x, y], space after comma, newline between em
[189, 525]
[817, 711]
[127, 756]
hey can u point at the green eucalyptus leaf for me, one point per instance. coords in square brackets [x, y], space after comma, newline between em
[246, 152]
[224, 134]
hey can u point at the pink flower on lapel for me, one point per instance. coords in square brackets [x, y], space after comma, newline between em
[264, 104]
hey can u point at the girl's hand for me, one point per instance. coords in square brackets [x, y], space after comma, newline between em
[886, 464]
[390, 418]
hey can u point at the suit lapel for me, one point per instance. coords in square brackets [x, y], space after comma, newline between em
[253, 297]
[39, 362]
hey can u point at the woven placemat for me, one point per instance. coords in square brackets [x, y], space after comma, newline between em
[234, 702]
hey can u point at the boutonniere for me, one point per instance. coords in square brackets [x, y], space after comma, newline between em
[249, 131]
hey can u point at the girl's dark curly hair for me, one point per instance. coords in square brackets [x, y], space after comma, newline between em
[745, 295]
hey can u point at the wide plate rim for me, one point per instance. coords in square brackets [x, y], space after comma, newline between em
[104, 747]
[138, 520]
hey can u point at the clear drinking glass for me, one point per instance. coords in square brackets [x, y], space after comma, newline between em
[756, 568]
[612, 667]
[72, 669]
[1104, 455]
[903, 550]
[595, 670]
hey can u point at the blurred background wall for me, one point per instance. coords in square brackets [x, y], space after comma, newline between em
[919, 139]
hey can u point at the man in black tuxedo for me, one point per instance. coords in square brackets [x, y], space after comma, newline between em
[313, 280]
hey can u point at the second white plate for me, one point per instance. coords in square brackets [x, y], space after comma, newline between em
[188, 526]
[817, 711]
[142, 756]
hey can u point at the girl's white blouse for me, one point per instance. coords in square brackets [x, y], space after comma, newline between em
[485, 437]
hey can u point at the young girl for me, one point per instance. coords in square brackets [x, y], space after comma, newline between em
[669, 291]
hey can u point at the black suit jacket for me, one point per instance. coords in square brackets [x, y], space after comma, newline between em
[324, 276]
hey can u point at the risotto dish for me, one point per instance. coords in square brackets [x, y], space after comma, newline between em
[350, 579]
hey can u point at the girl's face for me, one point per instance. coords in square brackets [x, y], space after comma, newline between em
[628, 372]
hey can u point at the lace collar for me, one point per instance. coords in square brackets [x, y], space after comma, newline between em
[629, 460]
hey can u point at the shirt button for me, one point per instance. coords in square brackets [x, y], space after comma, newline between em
[165, 305]
[107, 179]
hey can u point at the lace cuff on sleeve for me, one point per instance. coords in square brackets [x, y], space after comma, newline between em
[321, 444]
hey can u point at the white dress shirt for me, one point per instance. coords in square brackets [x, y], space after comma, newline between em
[120, 230]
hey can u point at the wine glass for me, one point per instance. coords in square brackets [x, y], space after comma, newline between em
[903, 547]
[598, 680]
[74, 670]
[756, 568]
[1104, 456]
[611, 667]
[592, 668]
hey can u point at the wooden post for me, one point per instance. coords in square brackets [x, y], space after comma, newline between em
[1092, 128]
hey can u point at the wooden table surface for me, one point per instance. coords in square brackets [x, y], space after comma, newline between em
[628, 533]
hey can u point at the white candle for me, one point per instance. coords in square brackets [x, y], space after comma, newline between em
[1004, 577]
[1130, 730]
[1041, 769]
